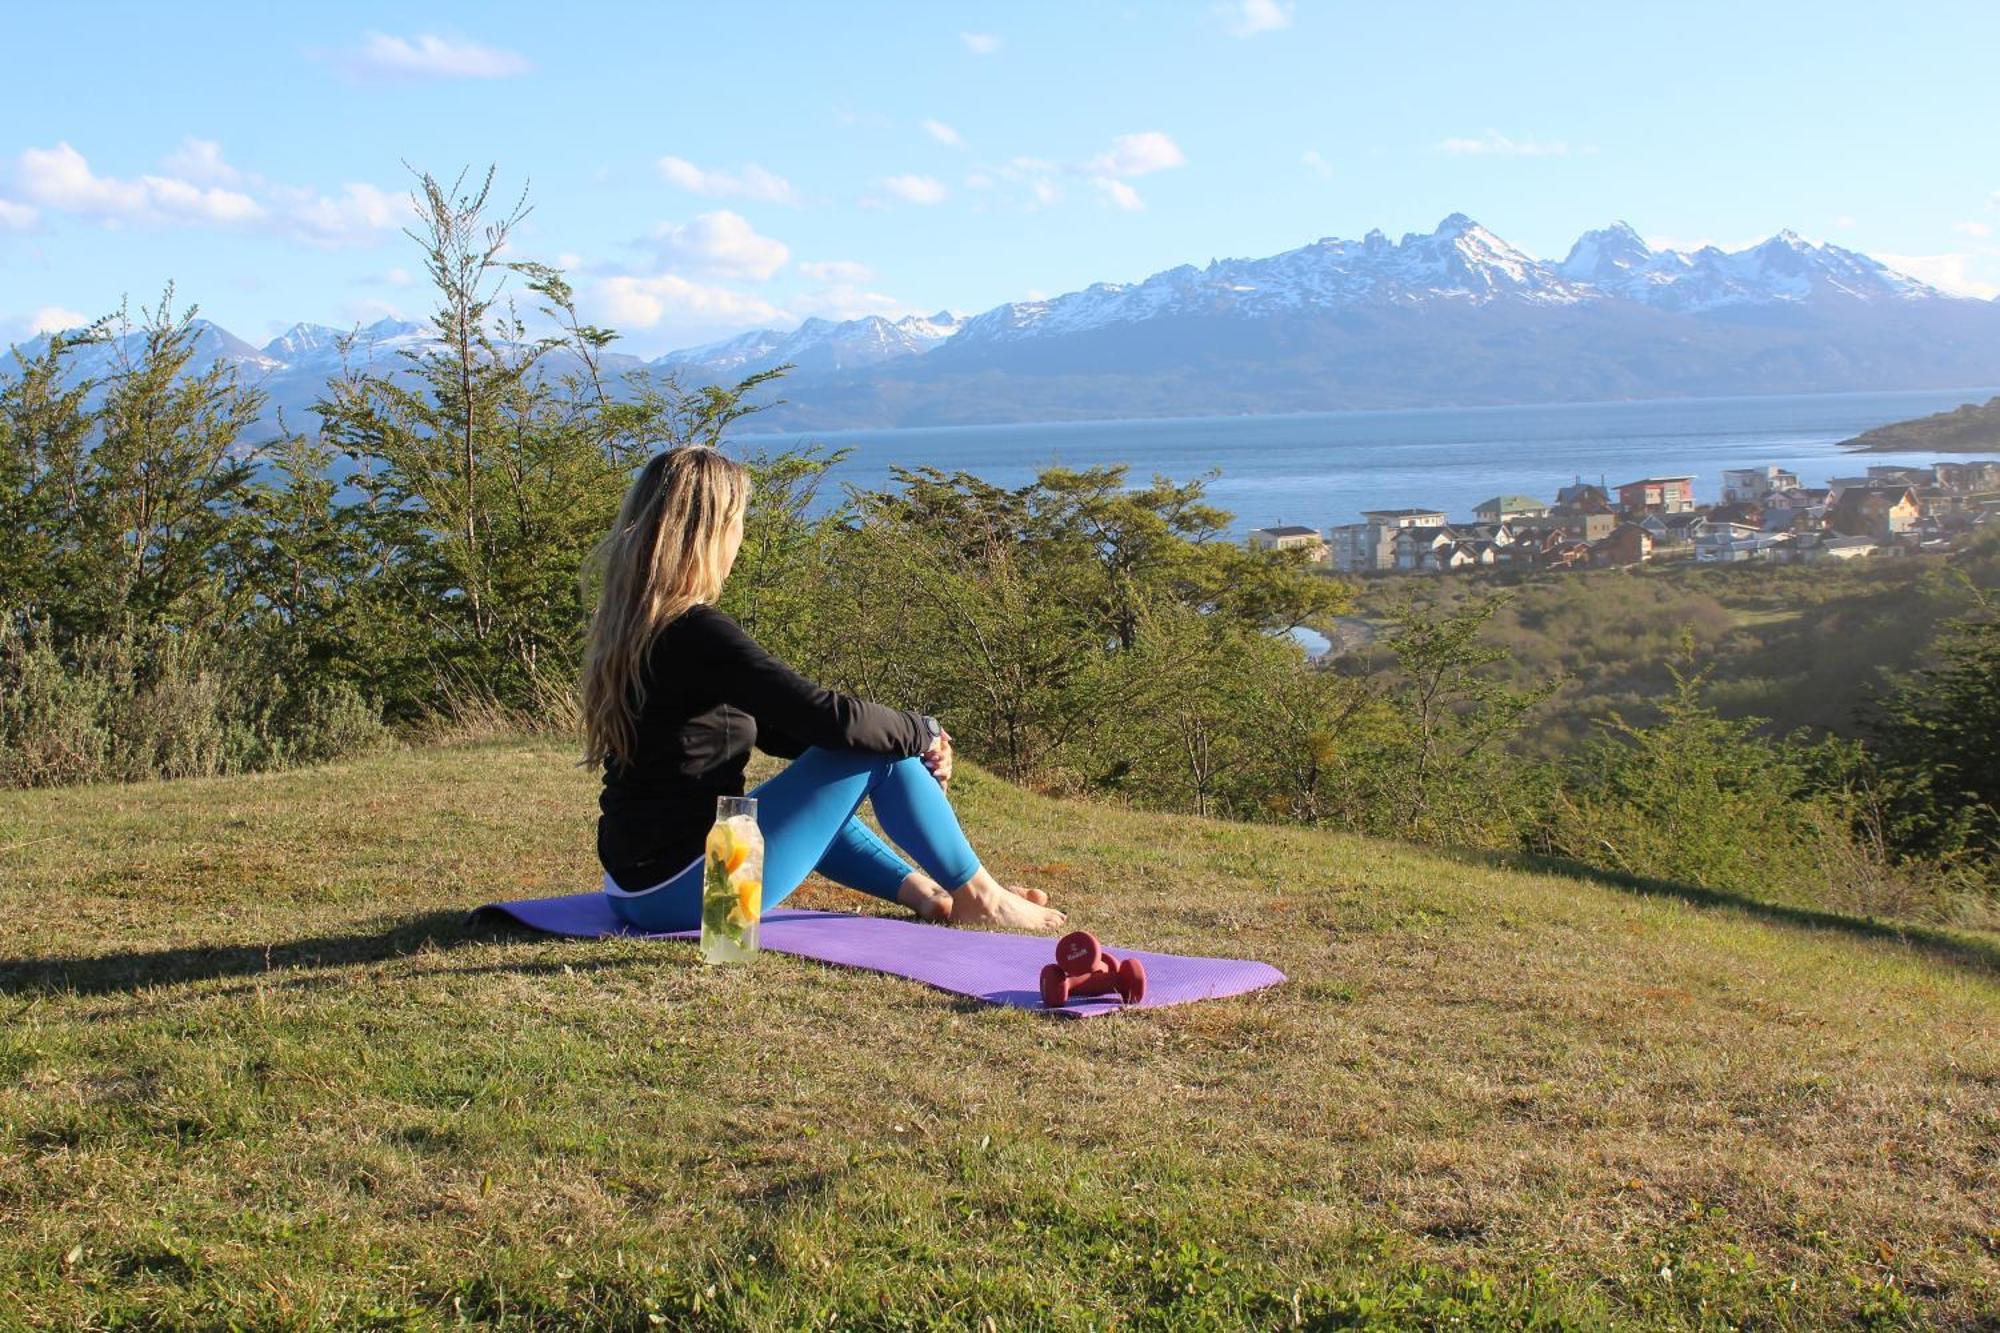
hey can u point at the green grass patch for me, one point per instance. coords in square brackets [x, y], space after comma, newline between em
[255, 1072]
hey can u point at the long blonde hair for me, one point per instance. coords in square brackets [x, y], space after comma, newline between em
[662, 556]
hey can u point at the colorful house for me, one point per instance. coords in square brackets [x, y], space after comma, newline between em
[1628, 544]
[1363, 548]
[1290, 537]
[1405, 518]
[1876, 511]
[1507, 508]
[1583, 498]
[1416, 545]
[1749, 485]
[1665, 495]
[1674, 529]
[1584, 525]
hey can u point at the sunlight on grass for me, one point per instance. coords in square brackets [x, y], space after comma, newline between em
[255, 1070]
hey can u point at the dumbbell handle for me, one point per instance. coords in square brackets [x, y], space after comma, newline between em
[1097, 983]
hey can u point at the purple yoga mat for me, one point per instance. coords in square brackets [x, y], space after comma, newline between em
[987, 965]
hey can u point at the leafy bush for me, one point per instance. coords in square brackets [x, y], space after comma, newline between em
[1935, 732]
[1705, 800]
[145, 704]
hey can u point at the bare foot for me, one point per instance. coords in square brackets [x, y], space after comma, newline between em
[923, 895]
[986, 902]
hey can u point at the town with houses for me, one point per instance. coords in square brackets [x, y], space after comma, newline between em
[1762, 513]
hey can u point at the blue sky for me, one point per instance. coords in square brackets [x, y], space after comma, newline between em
[704, 169]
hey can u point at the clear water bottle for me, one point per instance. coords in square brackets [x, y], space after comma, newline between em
[732, 892]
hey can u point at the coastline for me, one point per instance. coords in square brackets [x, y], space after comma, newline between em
[1970, 428]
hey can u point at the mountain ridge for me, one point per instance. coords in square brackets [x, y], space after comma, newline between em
[1454, 316]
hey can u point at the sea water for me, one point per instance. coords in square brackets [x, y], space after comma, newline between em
[1323, 468]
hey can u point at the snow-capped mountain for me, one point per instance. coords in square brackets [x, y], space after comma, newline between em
[818, 345]
[1606, 256]
[1460, 261]
[212, 343]
[1616, 262]
[305, 346]
[1451, 316]
[291, 370]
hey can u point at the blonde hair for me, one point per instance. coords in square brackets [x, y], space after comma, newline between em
[662, 556]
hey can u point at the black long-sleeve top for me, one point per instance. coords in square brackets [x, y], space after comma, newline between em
[712, 693]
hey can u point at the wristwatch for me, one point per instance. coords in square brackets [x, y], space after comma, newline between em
[932, 730]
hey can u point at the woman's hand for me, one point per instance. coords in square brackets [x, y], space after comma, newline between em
[938, 759]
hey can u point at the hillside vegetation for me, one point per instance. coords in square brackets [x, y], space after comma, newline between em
[256, 1073]
[1814, 646]
[1970, 428]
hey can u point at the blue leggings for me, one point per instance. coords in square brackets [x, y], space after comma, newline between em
[807, 817]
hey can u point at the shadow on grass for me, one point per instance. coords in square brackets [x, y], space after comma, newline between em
[116, 973]
[1964, 950]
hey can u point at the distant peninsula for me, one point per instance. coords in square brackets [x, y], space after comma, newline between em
[1971, 429]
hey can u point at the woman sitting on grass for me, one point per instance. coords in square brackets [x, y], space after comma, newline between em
[674, 696]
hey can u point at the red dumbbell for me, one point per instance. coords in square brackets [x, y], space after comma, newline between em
[1079, 954]
[1083, 968]
[1128, 979]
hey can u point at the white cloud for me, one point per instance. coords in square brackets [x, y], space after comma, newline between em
[430, 56]
[1949, 273]
[61, 179]
[836, 271]
[980, 43]
[1979, 229]
[1247, 18]
[368, 309]
[397, 277]
[848, 301]
[917, 189]
[1138, 154]
[1495, 144]
[944, 134]
[18, 217]
[200, 160]
[1119, 193]
[1316, 164]
[1031, 175]
[752, 182]
[54, 319]
[721, 242]
[212, 203]
[643, 302]
[358, 215]
[1845, 222]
